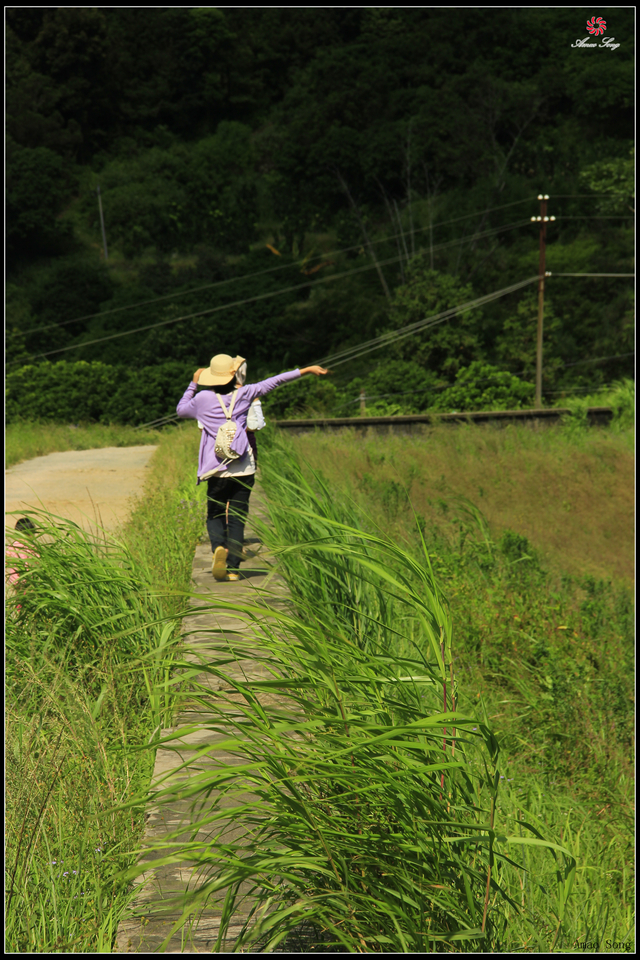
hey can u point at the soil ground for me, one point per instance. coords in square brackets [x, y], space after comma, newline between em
[91, 487]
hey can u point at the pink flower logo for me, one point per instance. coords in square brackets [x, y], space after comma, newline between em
[596, 26]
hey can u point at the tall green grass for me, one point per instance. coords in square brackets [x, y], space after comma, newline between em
[551, 657]
[90, 636]
[620, 396]
[365, 806]
[568, 490]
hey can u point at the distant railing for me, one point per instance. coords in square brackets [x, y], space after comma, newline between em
[595, 416]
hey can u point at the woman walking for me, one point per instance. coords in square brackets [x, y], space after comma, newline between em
[227, 462]
[255, 421]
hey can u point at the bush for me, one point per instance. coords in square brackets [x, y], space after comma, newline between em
[72, 392]
[445, 347]
[61, 391]
[483, 387]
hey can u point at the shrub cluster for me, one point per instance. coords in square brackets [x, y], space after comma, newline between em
[71, 392]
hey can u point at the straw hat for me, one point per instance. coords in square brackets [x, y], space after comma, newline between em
[221, 370]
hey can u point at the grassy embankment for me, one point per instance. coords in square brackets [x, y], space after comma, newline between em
[356, 821]
[26, 440]
[570, 492]
[540, 592]
[548, 655]
[85, 689]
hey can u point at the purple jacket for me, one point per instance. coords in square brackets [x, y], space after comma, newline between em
[206, 408]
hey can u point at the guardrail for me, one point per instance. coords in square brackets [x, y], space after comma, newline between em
[596, 416]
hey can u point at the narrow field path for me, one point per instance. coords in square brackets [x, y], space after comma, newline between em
[94, 488]
[148, 923]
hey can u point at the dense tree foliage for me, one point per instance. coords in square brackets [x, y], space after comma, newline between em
[288, 183]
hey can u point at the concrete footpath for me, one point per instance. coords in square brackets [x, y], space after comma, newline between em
[94, 488]
[148, 922]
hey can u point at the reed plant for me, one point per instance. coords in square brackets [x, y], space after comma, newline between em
[90, 636]
[338, 791]
[550, 655]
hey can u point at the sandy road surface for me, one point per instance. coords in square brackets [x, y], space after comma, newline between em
[86, 486]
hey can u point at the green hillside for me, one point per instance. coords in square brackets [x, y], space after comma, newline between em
[287, 184]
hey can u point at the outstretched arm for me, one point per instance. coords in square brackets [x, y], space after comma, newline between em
[317, 371]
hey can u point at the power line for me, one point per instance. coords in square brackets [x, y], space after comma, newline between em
[345, 356]
[578, 389]
[218, 283]
[332, 253]
[162, 421]
[351, 353]
[263, 296]
[591, 274]
[584, 196]
[616, 356]
[393, 336]
[224, 306]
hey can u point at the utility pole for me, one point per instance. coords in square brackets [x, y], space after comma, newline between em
[104, 235]
[543, 220]
[363, 409]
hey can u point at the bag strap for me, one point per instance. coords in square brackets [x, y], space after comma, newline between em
[233, 400]
[228, 412]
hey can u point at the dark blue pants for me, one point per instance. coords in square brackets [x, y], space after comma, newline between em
[235, 492]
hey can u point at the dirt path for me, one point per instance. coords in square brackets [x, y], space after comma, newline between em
[86, 486]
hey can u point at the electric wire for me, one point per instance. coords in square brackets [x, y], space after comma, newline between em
[224, 306]
[592, 274]
[332, 253]
[228, 306]
[345, 356]
[219, 283]
[395, 335]
[494, 376]
[584, 196]
[174, 417]
[616, 356]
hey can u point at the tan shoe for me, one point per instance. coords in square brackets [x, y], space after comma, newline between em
[232, 577]
[219, 566]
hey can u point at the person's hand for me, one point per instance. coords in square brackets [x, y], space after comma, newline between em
[196, 375]
[316, 370]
